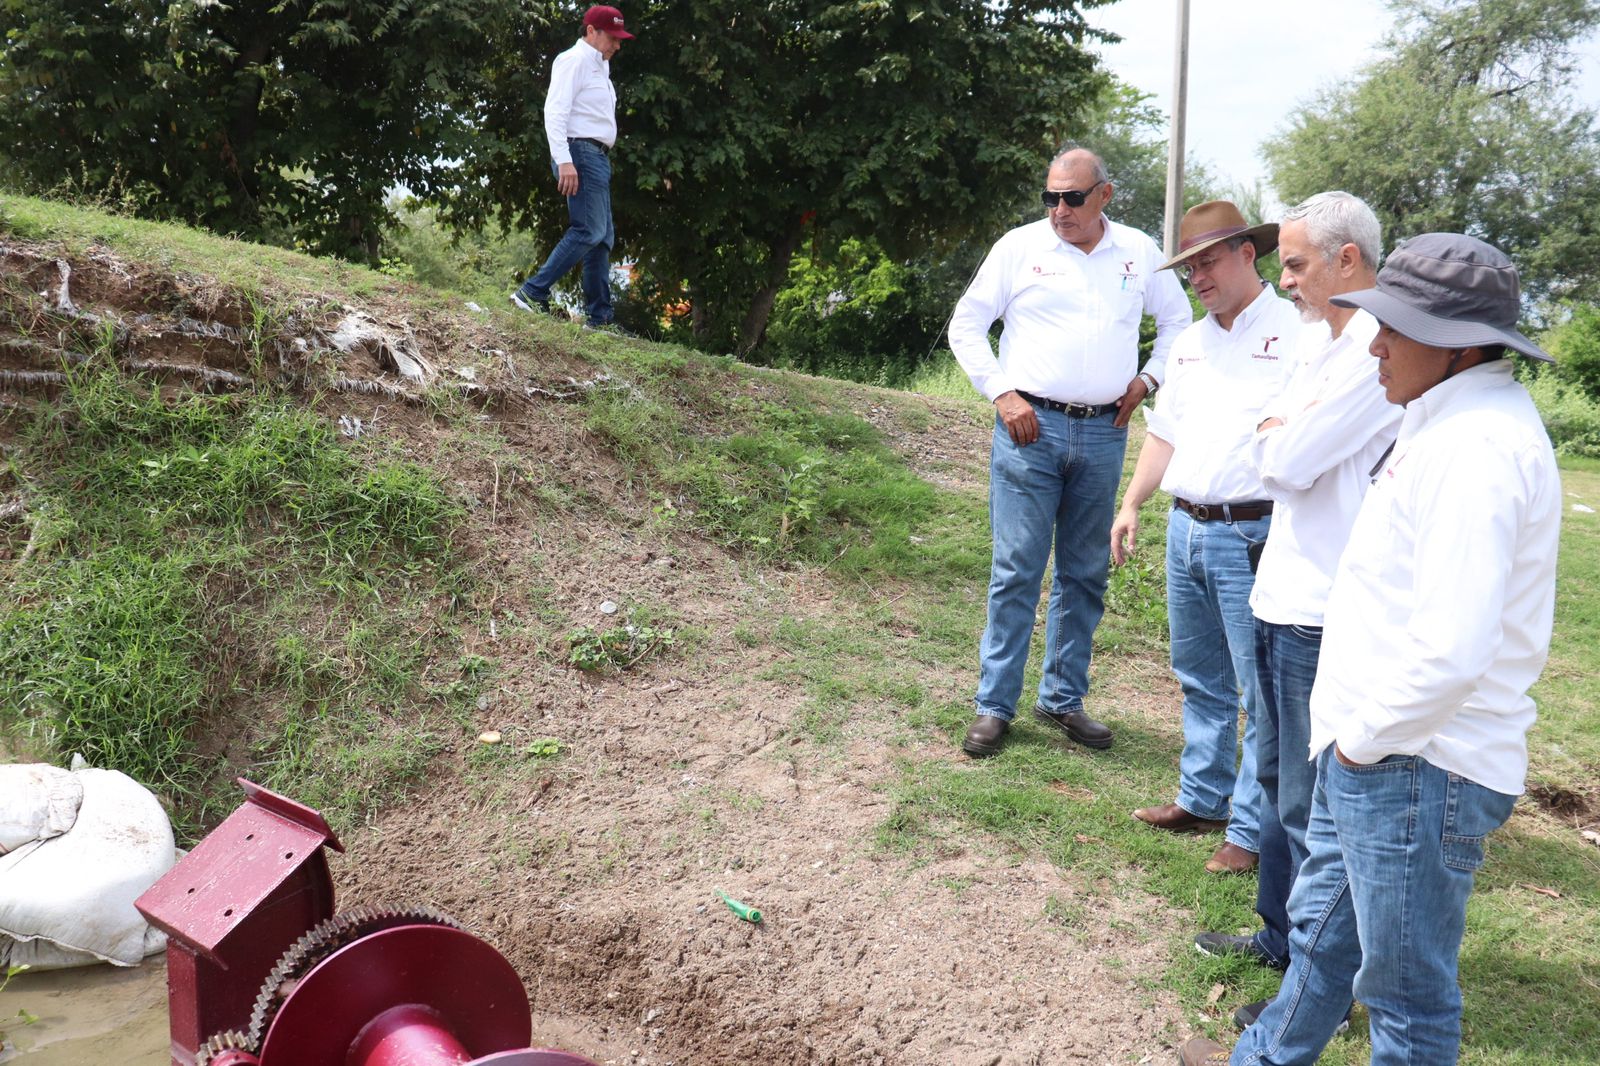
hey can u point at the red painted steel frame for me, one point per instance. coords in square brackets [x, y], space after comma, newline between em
[233, 906]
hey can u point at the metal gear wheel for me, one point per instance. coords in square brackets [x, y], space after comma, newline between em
[232, 1040]
[320, 942]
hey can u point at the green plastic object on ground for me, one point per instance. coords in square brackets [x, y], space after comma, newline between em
[741, 910]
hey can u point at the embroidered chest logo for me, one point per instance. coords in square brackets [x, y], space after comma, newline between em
[1043, 273]
[1266, 350]
[1130, 277]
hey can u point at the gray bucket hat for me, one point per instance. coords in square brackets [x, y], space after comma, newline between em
[1448, 290]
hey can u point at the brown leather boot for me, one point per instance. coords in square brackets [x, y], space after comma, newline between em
[1201, 1051]
[986, 737]
[1174, 819]
[1231, 859]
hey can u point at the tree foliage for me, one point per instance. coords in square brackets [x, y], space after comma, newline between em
[861, 313]
[749, 133]
[1575, 344]
[287, 121]
[1464, 124]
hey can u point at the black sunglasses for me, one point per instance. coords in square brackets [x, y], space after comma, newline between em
[1073, 197]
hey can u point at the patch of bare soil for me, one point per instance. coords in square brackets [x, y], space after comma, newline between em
[595, 871]
[597, 879]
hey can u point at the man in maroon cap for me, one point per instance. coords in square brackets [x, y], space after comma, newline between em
[580, 122]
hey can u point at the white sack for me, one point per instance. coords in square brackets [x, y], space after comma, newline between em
[76, 891]
[37, 801]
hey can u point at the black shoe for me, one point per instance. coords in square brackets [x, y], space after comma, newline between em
[1078, 727]
[1247, 1015]
[1224, 945]
[986, 736]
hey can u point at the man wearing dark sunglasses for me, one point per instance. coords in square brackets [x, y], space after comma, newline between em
[1071, 289]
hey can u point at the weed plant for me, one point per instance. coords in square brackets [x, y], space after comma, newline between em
[620, 647]
[192, 555]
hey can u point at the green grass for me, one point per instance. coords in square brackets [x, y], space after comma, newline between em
[943, 376]
[1529, 969]
[197, 559]
[245, 267]
[782, 479]
[1566, 742]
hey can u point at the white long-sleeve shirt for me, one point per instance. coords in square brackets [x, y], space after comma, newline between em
[1440, 615]
[1217, 382]
[1071, 318]
[1317, 466]
[581, 101]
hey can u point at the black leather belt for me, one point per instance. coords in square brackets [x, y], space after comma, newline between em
[602, 145]
[1247, 511]
[1071, 410]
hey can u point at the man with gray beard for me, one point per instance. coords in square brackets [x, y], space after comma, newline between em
[1314, 451]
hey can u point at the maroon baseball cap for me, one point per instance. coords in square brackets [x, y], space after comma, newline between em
[608, 19]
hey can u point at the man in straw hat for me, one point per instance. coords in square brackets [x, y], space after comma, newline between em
[1071, 288]
[1437, 625]
[1222, 371]
[1314, 450]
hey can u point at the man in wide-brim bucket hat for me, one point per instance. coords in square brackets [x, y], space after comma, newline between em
[1437, 625]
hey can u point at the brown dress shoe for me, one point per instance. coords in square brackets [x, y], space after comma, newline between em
[1078, 726]
[1175, 819]
[1200, 1051]
[985, 737]
[1231, 859]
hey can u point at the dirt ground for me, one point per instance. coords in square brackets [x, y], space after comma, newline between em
[595, 874]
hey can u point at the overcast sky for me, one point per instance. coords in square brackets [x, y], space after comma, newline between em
[1251, 62]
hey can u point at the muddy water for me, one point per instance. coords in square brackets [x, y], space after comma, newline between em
[89, 1016]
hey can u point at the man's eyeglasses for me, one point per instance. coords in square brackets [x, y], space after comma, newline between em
[1198, 264]
[1073, 197]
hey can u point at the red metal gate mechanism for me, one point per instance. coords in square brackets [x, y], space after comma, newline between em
[262, 972]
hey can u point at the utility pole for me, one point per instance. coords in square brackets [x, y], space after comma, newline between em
[1180, 110]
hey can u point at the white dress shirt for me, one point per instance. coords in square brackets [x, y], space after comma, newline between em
[1071, 318]
[581, 101]
[1440, 615]
[1217, 382]
[1316, 467]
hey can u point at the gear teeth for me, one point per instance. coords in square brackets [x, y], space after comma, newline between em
[321, 941]
[232, 1040]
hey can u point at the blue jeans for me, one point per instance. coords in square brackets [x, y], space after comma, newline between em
[1061, 489]
[589, 237]
[1214, 657]
[1286, 667]
[1378, 910]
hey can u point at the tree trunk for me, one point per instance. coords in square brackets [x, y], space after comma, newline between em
[240, 147]
[754, 326]
[699, 320]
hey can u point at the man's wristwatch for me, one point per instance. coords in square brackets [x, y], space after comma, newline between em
[1150, 380]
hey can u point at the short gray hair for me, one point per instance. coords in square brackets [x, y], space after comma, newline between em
[1100, 172]
[1335, 219]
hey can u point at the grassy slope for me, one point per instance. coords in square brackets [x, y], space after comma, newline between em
[779, 466]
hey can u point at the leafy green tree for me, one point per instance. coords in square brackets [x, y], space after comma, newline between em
[751, 132]
[1575, 344]
[288, 121]
[1465, 124]
[861, 313]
